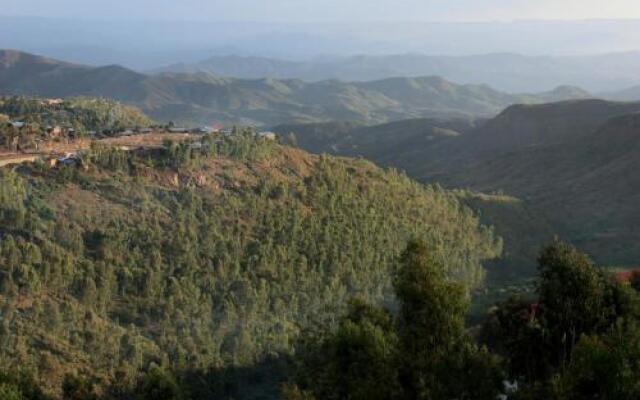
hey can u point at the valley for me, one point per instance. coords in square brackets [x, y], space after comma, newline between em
[559, 160]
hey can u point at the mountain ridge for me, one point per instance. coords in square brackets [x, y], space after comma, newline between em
[203, 98]
[506, 71]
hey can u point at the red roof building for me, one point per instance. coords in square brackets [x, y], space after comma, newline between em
[626, 276]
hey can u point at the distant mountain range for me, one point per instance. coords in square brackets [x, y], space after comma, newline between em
[631, 94]
[571, 164]
[204, 98]
[144, 44]
[508, 72]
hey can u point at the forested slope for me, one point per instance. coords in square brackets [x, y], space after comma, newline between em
[204, 257]
[570, 167]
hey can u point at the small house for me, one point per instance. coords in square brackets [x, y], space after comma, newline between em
[70, 159]
[54, 131]
[73, 160]
[204, 130]
[178, 130]
[267, 135]
[51, 102]
[626, 276]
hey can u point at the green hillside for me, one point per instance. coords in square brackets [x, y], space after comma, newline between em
[383, 143]
[319, 137]
[207, 258]
[203, 98]
[80, 113]
[561, 160]
[524, 230]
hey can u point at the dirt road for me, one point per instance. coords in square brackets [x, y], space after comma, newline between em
[57, 149]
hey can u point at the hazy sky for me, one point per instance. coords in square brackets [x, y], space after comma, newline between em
[327, 10]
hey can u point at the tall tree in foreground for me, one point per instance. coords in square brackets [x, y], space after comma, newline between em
[575, 297]
[357, 361]
[579, 340]
[422, 353]
[431, 322]
[603, 367]
[438, 358]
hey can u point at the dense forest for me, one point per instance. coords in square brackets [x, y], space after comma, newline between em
[233, 267]
[536, 170]
[196, 268]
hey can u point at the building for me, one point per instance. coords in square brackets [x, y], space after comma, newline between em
[178, 130]
[68, 159]
[626, 276]
[54, 131]
[203, 130]
[51, 102]
[52, 162]
[267, 135]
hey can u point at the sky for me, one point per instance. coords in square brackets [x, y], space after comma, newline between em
[327, 10]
